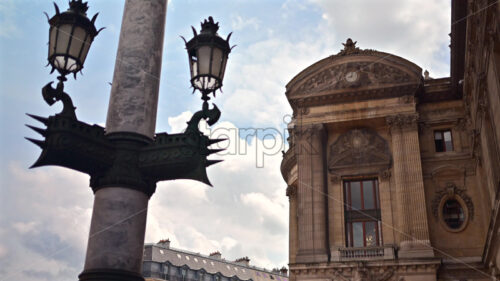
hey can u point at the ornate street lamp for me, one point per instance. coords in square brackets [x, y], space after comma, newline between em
[70, 36]
[76, 145]
[127, 159]
[207, 54]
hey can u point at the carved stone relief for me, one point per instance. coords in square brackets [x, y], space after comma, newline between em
[367, 73]
[364, 273]
[291, 191]
[402, 120]
[359, 147]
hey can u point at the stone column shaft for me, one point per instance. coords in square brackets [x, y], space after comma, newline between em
[413, 231]
[136, 80]
[311, 197]
[403, 227]
[117, 228]
[415, 182]
[118, 225]
[291, 192]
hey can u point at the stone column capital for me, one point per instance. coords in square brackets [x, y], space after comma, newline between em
[385, 174]
[309, 130]
[291, 191]
[400, 121]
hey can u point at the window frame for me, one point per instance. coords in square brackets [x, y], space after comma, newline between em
[362, 215]
[443, 147]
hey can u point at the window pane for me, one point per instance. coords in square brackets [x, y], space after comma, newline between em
[438, 136]
[368, 197]
[371, 233]
[453, 214]
[447, 141]
[355, 195]
[357, 234]
[348, 234]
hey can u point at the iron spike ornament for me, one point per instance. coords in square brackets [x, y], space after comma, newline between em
[120, 159]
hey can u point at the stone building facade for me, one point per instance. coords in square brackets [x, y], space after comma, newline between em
[393, 175]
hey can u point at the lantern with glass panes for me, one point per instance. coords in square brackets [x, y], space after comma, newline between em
[207, 54]
[70, 36]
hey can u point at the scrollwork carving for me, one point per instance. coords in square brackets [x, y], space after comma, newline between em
[451, 190]
[385, 174]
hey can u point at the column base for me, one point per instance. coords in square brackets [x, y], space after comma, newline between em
[312, 256]
[415, 249]
[109, 275]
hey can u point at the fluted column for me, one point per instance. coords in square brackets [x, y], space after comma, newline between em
[412, 228]
[403, 228]
[311, 194]
[291, 192]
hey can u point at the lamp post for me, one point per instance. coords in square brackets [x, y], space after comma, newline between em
[126, 159]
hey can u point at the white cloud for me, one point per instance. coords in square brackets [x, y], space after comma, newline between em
[24, 228]
[411, 29]
[238, 23]
[244, 214]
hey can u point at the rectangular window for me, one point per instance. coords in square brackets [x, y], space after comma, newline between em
[362, 213]
[443, 141]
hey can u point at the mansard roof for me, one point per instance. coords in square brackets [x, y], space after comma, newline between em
[213, 264]
[352, 75]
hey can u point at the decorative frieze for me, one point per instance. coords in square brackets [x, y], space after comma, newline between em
[402, 120]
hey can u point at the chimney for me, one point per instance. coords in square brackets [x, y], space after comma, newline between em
[216, 255]
[243, 261]
[284, 271]
[165, 243]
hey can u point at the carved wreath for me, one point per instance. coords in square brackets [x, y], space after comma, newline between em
[450, 191]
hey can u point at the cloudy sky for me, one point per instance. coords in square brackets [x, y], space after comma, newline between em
[45, 212]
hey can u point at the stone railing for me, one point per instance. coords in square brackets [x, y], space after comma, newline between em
[364, 253]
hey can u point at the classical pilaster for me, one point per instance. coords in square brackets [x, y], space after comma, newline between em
[412, 228]
[386, 199]
[311, 193]
[291, 192]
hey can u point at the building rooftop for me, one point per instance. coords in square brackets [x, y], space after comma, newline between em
[213, 263]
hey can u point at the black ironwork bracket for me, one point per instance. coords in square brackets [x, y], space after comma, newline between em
[123, 159]
[51, 95]
[210, 115]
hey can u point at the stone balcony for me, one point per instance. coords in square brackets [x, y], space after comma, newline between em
[363, 253]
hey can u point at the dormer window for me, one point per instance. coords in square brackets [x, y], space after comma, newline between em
[443, 140]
